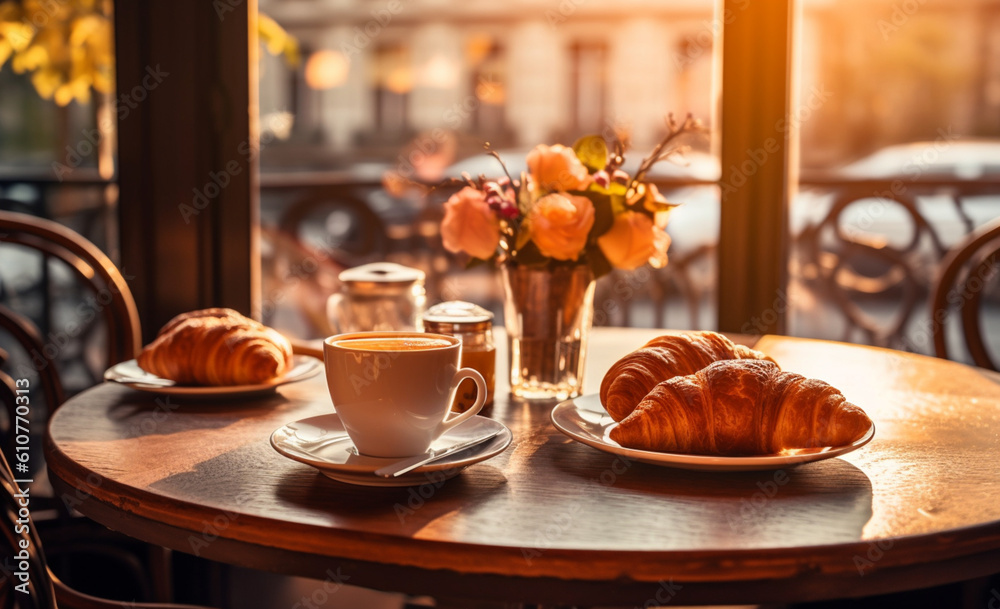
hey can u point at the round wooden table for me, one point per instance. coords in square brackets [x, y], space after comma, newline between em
[554, 521]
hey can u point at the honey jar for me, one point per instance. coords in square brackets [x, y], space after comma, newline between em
[474, 326]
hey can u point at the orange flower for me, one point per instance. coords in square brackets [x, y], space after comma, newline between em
[555, 168]
[630, 242]
[469, 225]
[559, 225]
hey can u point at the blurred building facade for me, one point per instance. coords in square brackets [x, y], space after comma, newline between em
[520, 72]
[514, 73]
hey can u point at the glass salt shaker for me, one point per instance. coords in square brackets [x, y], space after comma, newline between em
[474, 325]
[381, 296]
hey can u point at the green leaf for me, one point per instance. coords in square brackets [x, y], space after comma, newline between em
[606, 209]
[592, 152]
[598, 262]
[604, 214]
[619, 203]
[524, 202]
[657, 206]
[613, 188]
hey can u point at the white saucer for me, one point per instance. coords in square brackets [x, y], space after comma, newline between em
[130, 374]
[585, 420]
[322, 443]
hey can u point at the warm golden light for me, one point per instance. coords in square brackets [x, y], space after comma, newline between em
[440, 73]
[399, 80]
[478, 48]
[491, 92]
[327, 69]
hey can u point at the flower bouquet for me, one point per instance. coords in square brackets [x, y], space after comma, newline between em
[573, 216]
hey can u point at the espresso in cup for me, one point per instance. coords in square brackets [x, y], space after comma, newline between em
[393, 344]
[393, 391]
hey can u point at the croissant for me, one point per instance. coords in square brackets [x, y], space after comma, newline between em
[741, 407]
[216, 347]
[664, 357]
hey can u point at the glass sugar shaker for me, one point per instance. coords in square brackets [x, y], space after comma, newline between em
[474, 325]
[381, 296]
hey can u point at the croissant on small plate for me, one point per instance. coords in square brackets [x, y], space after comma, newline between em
[217, 347]
[661, 359]
[739, 408]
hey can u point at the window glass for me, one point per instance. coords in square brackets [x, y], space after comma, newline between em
[899, 111]
[57, 114]
[57, 161]
[389, 92]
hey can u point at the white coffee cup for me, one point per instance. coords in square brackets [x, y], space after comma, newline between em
[393, 391]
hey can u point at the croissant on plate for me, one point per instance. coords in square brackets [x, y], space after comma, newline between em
[216, 347]
[664, 357]
[741, 407]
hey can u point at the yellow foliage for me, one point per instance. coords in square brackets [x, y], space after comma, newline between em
[278, 41]
[33, 58]
[46, 82]
[68, 46]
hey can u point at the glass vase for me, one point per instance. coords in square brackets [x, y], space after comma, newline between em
[547, 313]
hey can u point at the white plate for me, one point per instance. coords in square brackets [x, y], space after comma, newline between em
[585, 420]
[129, 373]
[322, 443]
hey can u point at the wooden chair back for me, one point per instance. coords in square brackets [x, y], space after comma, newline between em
[965, 275]
[24, 332]
[113, 302]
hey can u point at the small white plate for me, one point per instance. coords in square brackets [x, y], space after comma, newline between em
[322, 443]
[585, 420]
[130, 374]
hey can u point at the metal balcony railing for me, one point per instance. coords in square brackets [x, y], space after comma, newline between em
[863, 252]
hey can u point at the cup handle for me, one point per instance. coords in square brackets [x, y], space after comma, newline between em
[460, 375]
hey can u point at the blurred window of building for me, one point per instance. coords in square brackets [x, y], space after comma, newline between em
[489, 85]
[589, 86]
[393, 83]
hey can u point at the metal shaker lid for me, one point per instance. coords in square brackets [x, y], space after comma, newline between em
[381, 275]
[457, 316]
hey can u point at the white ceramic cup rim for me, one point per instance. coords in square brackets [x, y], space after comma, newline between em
[375, 334]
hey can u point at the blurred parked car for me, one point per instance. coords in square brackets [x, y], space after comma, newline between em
[961, 159]
[951, 208]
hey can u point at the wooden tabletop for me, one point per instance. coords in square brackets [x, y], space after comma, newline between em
[554, 521]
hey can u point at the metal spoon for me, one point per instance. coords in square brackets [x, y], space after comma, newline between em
[411, 463]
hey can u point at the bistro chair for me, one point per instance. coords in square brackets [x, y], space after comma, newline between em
[337, 221]
[22, 543]
[966, 274]
[49, 336]
[26, 334]
[73, 324]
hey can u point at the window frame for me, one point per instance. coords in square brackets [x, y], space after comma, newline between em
[188, 252]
